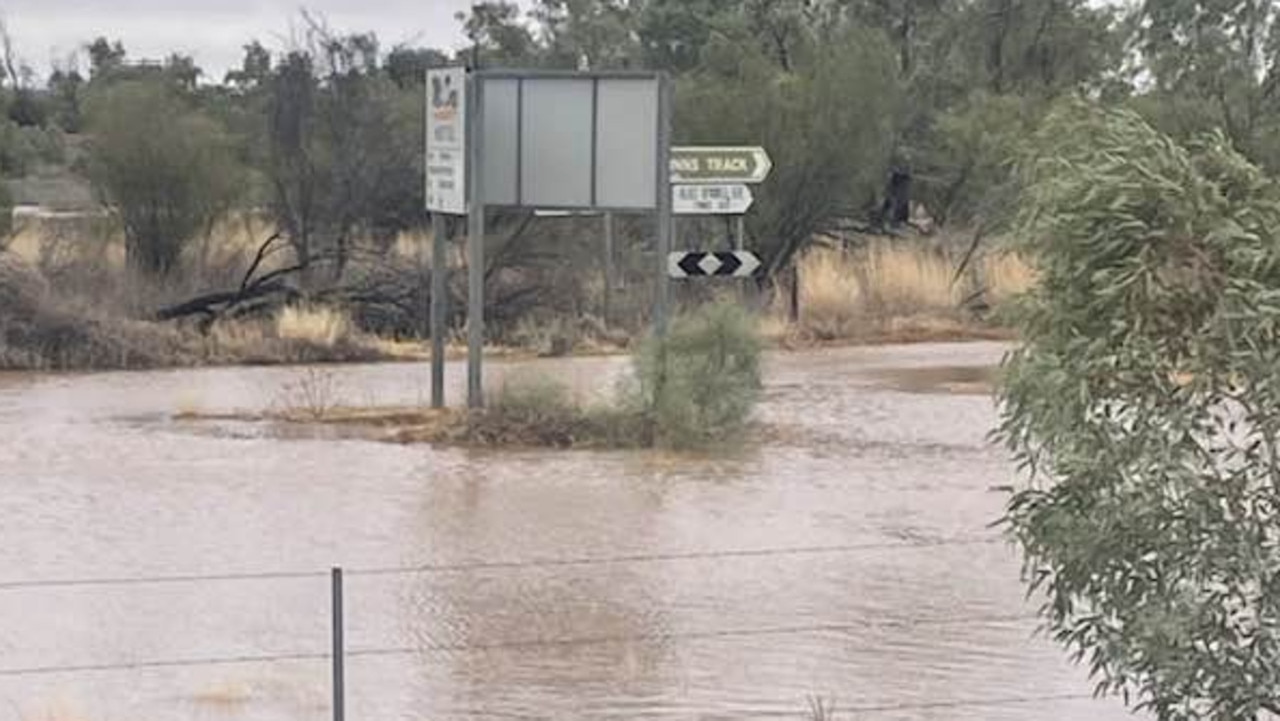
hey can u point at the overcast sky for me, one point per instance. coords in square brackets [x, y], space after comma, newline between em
[48, 32]
[214, 31]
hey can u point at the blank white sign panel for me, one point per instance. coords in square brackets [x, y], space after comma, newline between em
[501, 141]
[626, 143]
[570, 142]
[555, 160]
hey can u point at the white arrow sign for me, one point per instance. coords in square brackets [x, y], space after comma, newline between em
[714, 164]
[724, 199]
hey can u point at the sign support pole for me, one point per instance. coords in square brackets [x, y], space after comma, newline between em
[666, 101]
[740, 237]
[475, 247]
[608, 268]
[448, 135]
[439, 307]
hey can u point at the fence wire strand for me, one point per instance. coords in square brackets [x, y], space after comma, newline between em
[993, 619]
[533, 644]
[484, 566]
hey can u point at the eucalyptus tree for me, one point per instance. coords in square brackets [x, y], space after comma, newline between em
[1144, 408]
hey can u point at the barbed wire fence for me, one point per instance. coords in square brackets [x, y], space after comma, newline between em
[338, 654]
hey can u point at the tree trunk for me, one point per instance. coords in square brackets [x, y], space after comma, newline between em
[795, 290]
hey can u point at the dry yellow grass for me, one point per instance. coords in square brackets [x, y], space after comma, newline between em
[225, 694]
[98, 235]
[299, 334]
[894, 290]
[318, 325]
[1006, 275]
[846, 294]
[83, 318]
[901, 279]
[889, 277]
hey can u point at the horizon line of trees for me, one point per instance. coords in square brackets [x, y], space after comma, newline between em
[864, 105]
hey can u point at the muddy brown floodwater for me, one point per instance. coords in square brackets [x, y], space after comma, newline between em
[149, 566]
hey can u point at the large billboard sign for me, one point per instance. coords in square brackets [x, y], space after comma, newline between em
[570, 141]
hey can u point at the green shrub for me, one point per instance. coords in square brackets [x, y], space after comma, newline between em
[700, 385]
[534, 410]
[167, 170]
[1144, 406]
[532, 396]
[695, 389]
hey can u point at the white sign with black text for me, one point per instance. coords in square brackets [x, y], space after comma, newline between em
[447, 141]
[723, 199]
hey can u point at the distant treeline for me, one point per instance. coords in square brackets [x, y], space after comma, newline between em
[870, 108]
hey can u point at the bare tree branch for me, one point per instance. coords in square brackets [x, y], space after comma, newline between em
[974, 244]
[263, 252]
[7, 42]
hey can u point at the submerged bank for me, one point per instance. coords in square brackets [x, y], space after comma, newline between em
[308, 409]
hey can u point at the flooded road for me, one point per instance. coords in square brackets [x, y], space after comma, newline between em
[155, 569]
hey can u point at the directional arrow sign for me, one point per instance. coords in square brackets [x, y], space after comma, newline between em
[731, 199]
[715, 164]
[734, 264]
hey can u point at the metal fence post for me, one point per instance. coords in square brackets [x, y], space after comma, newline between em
[339, 674]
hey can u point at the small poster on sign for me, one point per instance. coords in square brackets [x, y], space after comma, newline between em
[447, 141]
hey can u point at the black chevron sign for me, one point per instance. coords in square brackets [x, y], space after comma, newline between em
[696, 264]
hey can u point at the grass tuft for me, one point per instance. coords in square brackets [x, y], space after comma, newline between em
[316, 325]
[301, 334]
[226, 695]
[312, 393]
[821, 709]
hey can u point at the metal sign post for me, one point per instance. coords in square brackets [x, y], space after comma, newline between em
[666, 220]
[475, 250]
[439, 306]
[446, 194]
[562, 141]
[608, 269]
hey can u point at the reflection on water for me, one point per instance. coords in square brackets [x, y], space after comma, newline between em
[848, 555]
[977, 380]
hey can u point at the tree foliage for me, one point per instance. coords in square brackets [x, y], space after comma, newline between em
[165, 169]
[1145, 407]
[341, 148]
[830, 155]
[1214, 65]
